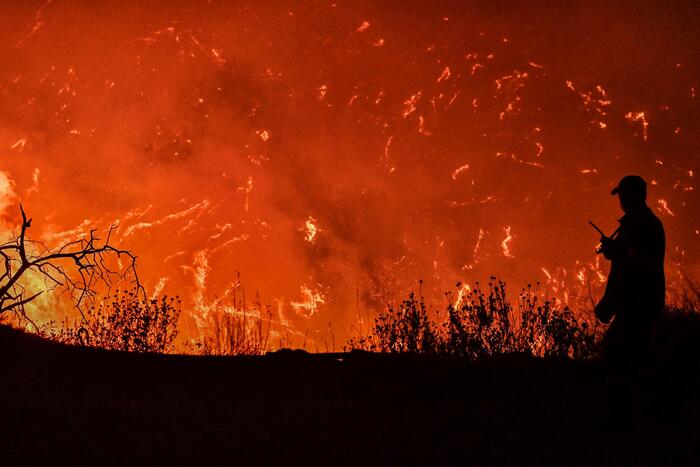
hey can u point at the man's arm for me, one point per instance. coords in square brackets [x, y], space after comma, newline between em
[612, 248]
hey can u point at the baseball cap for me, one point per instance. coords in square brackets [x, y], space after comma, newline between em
[630, 184]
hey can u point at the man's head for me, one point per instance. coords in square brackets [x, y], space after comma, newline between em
[632, 191]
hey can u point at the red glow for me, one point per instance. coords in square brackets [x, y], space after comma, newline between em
[335, 154]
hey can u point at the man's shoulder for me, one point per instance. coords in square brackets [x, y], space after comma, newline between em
[653, 223]
[643, 222]
[653, 218]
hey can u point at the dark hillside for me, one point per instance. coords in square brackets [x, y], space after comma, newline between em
[63, 405]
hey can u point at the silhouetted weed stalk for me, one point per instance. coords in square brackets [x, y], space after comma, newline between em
[235, 329]
[482, 322]
[124, 321]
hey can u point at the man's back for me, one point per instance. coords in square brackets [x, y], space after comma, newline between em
[638, 265]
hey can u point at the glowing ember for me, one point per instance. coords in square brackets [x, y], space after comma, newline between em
[310, 229]
[664, 207]
[459, 170]
[464, 289]
[20, 144]
[311, 299]
[363, 26]
[505, 244]
[639, 117]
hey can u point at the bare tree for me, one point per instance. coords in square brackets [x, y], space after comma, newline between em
[79, 267]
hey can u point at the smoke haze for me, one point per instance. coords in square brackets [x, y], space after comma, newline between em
[333, 153]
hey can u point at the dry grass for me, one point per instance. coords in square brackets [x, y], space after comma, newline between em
[235, 330]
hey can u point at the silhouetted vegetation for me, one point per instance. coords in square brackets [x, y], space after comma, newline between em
[125, 321]
[480, 323]
[235, 331]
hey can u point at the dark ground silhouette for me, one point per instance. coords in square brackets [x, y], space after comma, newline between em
[63, 405]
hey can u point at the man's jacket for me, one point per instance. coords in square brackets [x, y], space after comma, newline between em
[636, 287]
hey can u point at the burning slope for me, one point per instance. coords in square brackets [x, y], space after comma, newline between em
[334, 153]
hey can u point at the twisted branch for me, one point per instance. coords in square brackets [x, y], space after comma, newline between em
[78, 266]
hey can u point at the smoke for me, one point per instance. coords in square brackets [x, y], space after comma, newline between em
[445, 146]
[7, 192]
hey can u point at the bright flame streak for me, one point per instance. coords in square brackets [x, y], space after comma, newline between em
[263, 135]
[35, 181]
[216, 56]
[363, 26]
[310, 230]
[463, 291]
[478, 244]
[505, 244]
[459, 170]
[178, 215]
[445, 75]
[200, 269]
[639, 117]
[421, 127]
[311, 299]
[158, 288]
[664, 207]
[20, 144]
[386, 150]
[38, 22]
[248, 189]
[601, 276]
[222, 229]
[410, 104]
[50, 236]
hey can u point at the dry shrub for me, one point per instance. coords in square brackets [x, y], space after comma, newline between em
[482, 323]
[128, 322]
[405, 329]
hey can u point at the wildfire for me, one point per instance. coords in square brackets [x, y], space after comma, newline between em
[310, 230]
[664, 207]
[639, 117]
[505, 244]
[19, 144]
[459, 170]
[363, 26]
[464, 289]
[209, 137]
[310, 301]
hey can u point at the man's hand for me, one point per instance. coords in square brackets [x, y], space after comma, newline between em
[608, 247]
[604, 310]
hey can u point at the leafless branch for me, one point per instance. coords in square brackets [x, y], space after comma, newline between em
[79, 266]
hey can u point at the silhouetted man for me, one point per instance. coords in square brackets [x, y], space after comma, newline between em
[635, 292]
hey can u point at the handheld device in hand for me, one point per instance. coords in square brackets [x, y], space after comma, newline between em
[596, 227]
[602, 235]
